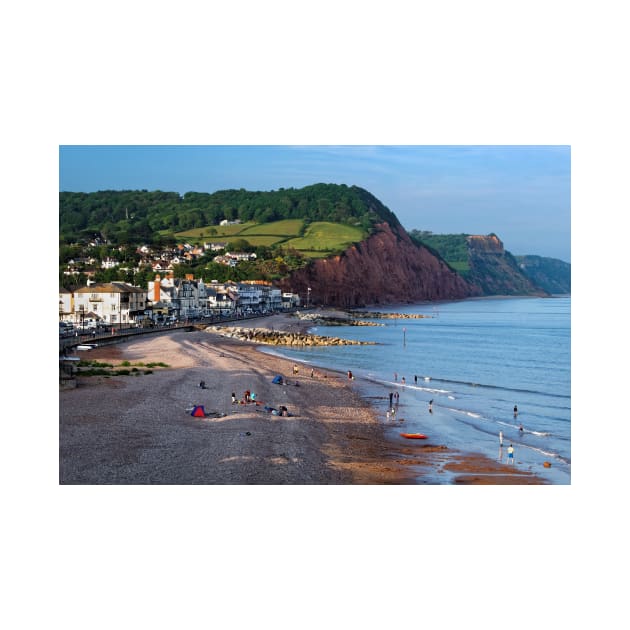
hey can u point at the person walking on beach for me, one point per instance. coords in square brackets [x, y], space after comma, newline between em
[510, 453]
[295, 369]
[234, 401]
[391, 396]
[312, 372]
[500, 438]
[350, 375]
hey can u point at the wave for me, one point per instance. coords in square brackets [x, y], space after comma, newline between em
[432, 390]
[546, 453]
[499, 387]
[470, 414]
[525, 431]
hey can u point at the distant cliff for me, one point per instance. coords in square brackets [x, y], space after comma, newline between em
[482, 261]
[495, 270]
[386, 268]
[551, 274]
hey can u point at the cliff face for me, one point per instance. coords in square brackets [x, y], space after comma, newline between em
[551, 274]
[495, 271]
[386, 268]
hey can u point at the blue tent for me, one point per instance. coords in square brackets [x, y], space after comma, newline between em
[198, 411]
[277, 380]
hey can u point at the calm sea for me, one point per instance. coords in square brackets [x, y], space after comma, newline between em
[475, 359]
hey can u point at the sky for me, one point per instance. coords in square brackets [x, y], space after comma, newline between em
[520, 193]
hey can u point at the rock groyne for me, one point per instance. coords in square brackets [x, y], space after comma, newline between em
[329, 320]
[377, 315]
[281, 338]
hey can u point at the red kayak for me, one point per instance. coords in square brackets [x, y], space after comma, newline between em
[415, 436]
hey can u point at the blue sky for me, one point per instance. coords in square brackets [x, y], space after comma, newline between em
[521, 193]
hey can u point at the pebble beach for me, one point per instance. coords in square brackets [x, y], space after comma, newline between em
[139, 430]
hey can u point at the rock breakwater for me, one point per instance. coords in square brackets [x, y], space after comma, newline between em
[328, 320]
[377, 315]
[280, 338]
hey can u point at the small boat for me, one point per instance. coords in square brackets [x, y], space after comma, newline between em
[414, 436]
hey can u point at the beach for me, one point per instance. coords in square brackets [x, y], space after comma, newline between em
[139, 429]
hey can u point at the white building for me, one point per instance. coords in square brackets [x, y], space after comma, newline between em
[109, 263]
[184, 297]
[110, 302]
[66, 305]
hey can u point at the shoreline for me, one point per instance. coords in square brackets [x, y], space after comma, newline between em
[141, 433]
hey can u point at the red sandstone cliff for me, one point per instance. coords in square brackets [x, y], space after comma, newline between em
[386, 268]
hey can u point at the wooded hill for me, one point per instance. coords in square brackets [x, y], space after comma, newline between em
[140, 216]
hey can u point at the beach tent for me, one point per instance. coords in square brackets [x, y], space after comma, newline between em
[198, 411]
[277, 380]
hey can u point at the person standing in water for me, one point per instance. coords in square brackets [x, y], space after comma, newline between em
[500, 438]
[510, 454]
[515, 411]
[431, 406]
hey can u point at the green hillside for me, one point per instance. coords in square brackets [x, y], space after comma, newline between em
[140, 216]
[452, 248]
[313, 240]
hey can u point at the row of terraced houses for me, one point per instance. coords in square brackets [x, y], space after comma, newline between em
[119, 303]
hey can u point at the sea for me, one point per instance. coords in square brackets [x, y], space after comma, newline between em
[475, 359]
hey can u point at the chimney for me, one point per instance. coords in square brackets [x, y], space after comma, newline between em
[156, 289]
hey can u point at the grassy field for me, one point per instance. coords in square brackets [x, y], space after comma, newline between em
[320, 240]
[203, 233]
[286, 227]
[327, 237]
